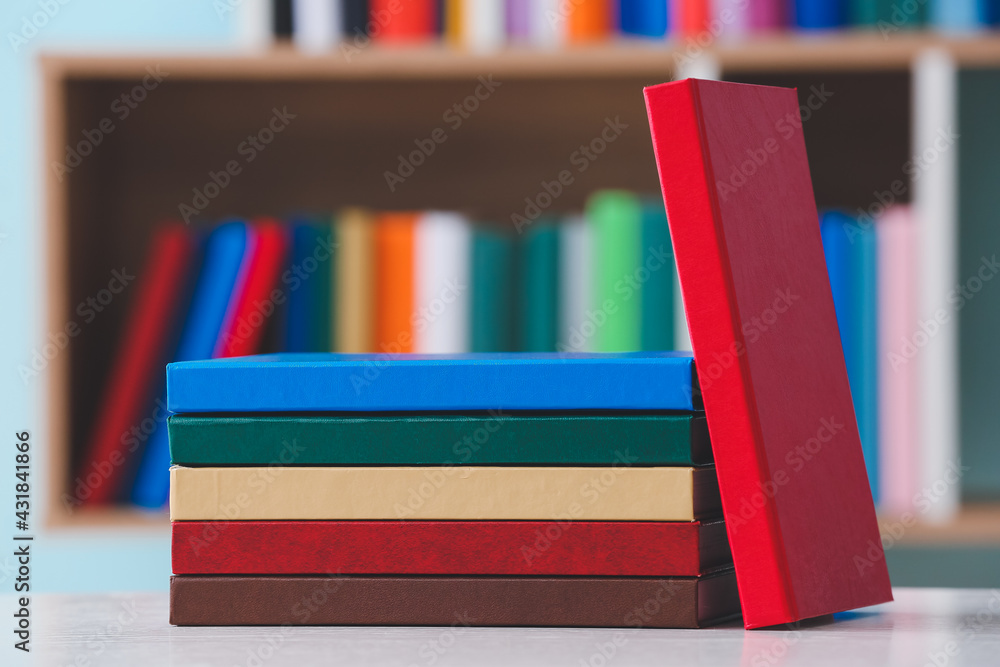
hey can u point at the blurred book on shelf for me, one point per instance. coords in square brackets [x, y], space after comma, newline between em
[316, 26]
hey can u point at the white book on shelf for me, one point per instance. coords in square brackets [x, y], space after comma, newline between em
[442, 279]
[549, 23]
[576, 280]
[935, 334]
[317, 25]
[255, 21]
[483, 25]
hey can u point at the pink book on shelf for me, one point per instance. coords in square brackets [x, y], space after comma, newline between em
[517, 14]
[897, 394]
[766, 14]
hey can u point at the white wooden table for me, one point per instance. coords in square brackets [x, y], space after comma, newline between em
[936, 627]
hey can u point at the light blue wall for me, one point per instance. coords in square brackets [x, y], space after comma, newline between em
[78, 560]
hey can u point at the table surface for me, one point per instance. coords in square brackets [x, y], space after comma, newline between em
[936, 627]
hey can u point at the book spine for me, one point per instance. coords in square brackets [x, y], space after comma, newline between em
[645, 18]
[549, 25]
[354, 283]
[957, 15]
[409, 21]
[897, 278]
[441, 245]
[658, 289]
[576, 285]
[822, 14]
[766, 14]
[483, 25]
[492, 305]
[935, 207]
[716, 325]
[517, 18]
[318, 24]
[355, 19]
[691, 17]
[394, 282]
[616, 220]
[588, 21]
[539, 288]
[865, 387]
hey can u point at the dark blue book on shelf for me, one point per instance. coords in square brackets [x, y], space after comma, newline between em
[645, 18]
[224, 252]
[377, 382]
[851, 262]
[819, 14]
[309, 286]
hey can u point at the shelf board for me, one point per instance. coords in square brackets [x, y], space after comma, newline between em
[844, 51]
[975, 525]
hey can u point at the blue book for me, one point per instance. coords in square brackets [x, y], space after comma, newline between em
[960, 14]
[377, 382]
[819, 14]
[224, 251]
[645, 18]
[850, 260]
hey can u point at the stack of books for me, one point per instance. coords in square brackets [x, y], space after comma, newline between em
[478, 489]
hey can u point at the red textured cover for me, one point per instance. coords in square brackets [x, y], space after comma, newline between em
[403, 20]
[254, 304]
[798, 507]
[138, 366]
[449, 547]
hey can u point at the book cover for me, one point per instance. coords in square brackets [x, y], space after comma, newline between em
[137, 373]
[538, 279]
[411, 439]
[644, 18]
[354, 282]
[520, 548]
[659, 271]
[395, 297]
[471, 493]
[377, 382]
[491, 308]
[224, 252]
[764, 330]
[604, 602]
[253, 302]
[440, 321]
[897, 363]
[616, 219]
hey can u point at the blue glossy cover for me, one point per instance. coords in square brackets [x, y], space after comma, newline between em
[850, 260]
[224, 253]
[378, 382]
[646, 18]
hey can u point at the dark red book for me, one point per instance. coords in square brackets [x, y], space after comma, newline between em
[255, 303]
[743, 222]
[599, 548]
[137, 373]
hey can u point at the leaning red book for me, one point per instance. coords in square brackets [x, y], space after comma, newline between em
[743, 221]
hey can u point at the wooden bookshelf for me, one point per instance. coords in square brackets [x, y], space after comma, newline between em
[354, 117]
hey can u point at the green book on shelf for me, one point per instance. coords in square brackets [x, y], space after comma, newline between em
[616, 218]
[322, 293]
[495, 438]
[538, 312]
[658, 289]
[886, 16]
[492, 308]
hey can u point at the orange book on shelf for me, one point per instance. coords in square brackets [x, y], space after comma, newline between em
[589, 20]
[394, 287]
[692, 16]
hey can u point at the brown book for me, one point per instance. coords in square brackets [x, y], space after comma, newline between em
[650, 602]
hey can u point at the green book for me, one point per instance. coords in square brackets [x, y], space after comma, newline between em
[321, 290]
[494, 438]
[538, 311]
[492, 309]
[616, 217]
[886, 15]
[658, 289]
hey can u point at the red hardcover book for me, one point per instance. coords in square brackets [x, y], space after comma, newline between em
[598, 548]
[137, 373]
[253, 305]
[798, 507]
[403, 20]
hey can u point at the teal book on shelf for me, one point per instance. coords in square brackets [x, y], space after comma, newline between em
[538, 311]
[492, 305]
[658, 270]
